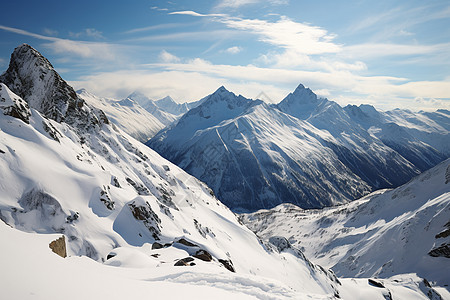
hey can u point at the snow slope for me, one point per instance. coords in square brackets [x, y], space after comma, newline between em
[127, 115]
[254, 156]
[389, 232]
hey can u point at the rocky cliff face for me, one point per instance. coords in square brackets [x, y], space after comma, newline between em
[32, 77]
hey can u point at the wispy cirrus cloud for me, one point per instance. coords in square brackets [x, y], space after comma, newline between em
[239, 3]
[196, 14]
[155, 28]
[97, 50]
[88, 32]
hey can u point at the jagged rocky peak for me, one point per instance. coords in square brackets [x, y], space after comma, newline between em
[303, 95]
[301, 103]
[32, 77]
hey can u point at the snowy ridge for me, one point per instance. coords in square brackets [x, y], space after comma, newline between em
[383, 234]
[127, 115]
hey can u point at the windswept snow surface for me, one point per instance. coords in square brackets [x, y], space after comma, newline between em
[389, 232]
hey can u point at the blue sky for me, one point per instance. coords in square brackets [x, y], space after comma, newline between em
[386, 53]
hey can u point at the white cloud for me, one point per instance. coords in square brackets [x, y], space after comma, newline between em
[195, 14]
[234, 50]
[285, 33]
[167, 57]
[88, 32]
[154, 28]
[239, 3]
[100, 51]
[372, 50]
[159, 8]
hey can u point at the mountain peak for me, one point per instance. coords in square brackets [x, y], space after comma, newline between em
[32, 77]
[139, 98]
[221, 89]
[300, 103]
[304, 94]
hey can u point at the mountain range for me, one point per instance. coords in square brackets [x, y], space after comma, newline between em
[307, 151]
[131, 224]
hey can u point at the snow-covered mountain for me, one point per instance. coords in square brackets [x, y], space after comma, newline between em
[364, 153]
[126, 114]
[253, 155]
[305, 150]
[71, 178]
[149, 105]
[165, 109]
[389, 232]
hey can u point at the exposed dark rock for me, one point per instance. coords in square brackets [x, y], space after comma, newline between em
[443, 250]
[51, 130]
[72, 218]
[184, 262]
[228, 264]
[185, 242]
[140, 189]
[145, 214]
[17, 109]
[280, 242]
[376, 283]
[444, 233]
[203, 230]
[115, 181]
[203, 255]
[106, 199]
[58, 246]
[157, 245]
[110, 255]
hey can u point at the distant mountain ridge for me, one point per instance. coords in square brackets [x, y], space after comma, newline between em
[236, 152]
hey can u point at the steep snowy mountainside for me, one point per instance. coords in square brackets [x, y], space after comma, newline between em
[126, 114]
[149, 105]
[169, 105]
[389, 232]
[367, 156]
[421, 137]
[120, 203]
[253, 155]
